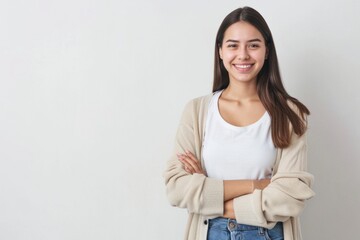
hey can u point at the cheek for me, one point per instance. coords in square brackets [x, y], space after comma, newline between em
[260, 56]
[228, 56]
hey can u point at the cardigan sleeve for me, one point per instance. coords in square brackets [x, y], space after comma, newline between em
[285, 196]
[196, 192]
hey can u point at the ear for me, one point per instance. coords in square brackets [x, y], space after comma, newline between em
[220, 53]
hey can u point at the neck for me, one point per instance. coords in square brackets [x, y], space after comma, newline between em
[241, 91]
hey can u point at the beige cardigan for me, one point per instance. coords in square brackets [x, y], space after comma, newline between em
[282, 200]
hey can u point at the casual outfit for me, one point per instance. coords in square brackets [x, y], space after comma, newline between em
[276, 207]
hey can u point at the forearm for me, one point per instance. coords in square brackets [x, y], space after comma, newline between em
[236, 188]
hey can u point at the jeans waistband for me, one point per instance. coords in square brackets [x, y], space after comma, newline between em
[232, 225]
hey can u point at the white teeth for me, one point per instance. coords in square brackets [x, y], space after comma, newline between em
[243, 66]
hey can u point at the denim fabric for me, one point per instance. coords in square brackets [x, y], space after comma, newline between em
[229, 229]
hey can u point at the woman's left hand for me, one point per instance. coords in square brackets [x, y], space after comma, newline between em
[191, 163]
[229, 209]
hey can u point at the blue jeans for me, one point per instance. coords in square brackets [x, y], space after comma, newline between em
[228, 229]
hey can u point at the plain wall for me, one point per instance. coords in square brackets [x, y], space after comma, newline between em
[90, 98]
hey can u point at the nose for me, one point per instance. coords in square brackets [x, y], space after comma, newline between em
[243, 54]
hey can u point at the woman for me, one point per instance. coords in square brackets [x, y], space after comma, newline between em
[239, 163]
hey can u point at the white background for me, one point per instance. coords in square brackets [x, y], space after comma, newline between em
[91, 93]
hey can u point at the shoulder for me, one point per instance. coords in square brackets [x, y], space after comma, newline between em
[196, 107]
[298, 119]
[298, 108]
[199, 103]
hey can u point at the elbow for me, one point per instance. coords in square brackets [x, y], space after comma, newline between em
[284, 212]
[172, 197]
[171, 188]
[279, 204]
[295, 208]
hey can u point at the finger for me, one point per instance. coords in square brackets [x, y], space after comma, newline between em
[192, 157]
[189, 163]
[196, 161]
[188, 170]
[193, 163]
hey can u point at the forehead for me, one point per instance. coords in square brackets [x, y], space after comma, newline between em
[242, 31]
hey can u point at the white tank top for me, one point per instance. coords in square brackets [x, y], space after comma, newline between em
[231, 152]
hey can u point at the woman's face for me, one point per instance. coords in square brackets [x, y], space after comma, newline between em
[243, 52]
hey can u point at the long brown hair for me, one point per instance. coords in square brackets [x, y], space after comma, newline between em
[283, 108]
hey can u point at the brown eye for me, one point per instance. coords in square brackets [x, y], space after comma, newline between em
[253, 46]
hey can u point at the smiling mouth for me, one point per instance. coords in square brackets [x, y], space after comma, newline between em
[243, 67]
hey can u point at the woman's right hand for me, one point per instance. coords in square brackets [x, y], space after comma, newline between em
[260, 184]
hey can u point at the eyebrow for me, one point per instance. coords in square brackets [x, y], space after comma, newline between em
[236, 41]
